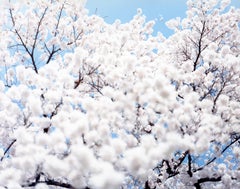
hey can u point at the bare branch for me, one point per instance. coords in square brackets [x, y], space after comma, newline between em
[217, 96]
[222, 152]
[51, 182]
[8, 148]
[206, 179]
[181, 159]
[190, 166]
[51, 54]
[199, 45]
[58, 19]
[38, 31]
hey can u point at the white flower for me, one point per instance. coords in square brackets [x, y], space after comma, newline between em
[107, 178]
[55, 166]
[224, 4]
[41, 186]
[35, 106]
[10, 176]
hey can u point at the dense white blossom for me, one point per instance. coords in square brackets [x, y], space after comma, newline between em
[86, 104]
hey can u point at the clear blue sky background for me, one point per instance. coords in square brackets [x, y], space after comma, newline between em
[152, 9]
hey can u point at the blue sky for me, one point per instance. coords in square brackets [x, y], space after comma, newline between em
[153, 9]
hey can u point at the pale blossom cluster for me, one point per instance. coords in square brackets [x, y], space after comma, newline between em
[86, 104]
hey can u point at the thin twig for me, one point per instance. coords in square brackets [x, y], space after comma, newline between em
[8, 148]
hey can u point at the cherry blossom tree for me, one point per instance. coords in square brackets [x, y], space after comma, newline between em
[86, 104]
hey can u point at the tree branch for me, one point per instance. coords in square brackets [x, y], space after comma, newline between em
[54, 49]
[190, 165]
[58, 19]
[206, 179]
[199, 45]
[181, 159]
[8, 148]
[217, 96]
[51, 183]
[147, 185]
[38, 31]
[215, 157]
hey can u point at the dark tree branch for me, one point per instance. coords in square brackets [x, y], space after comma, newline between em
[199, 45]
[206, 179]
[76, 36]
[79, 80]
[222, 152]
[52, 53]
[209, 91]
[58, 19]
[8, 148]
[217, 96]
[190, 165]
[169, 168]
[146, 186]
[11, 15]
[91, 70]
[52, 114]
[38, 31]
[54, 49]
[51, 183]
[181, 159]
[29, 52]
